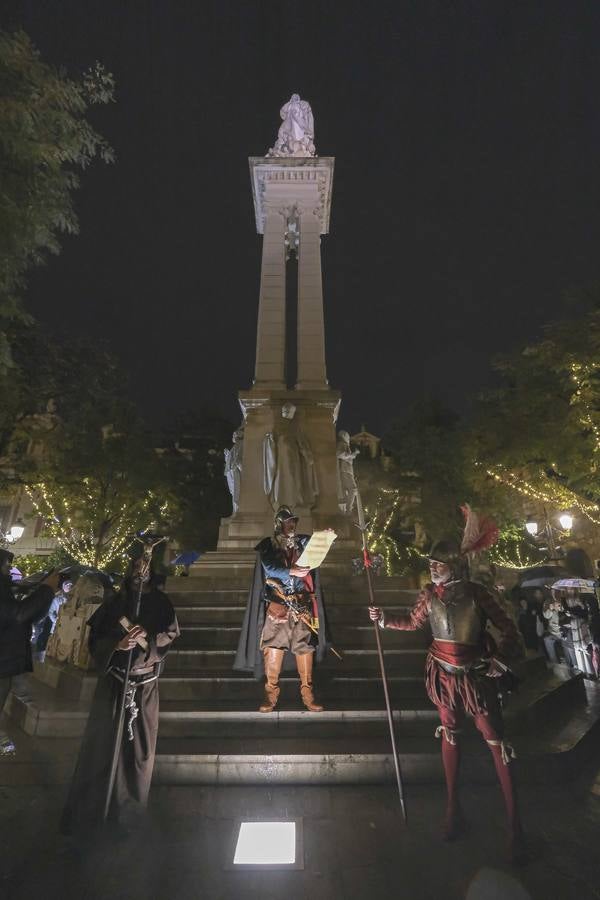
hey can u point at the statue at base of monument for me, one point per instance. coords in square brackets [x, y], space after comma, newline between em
[347, 489]
[69, 640]
[233, 467]
[290, 476]
[297, 130]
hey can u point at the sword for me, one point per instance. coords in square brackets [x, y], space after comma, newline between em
[149, 541]
[275, 586]
[362, 526]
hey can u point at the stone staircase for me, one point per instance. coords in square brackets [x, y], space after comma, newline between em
[211, 732]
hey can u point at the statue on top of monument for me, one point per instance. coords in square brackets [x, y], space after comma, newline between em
[297, 130]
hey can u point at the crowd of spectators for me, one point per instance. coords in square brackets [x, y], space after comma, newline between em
[564, 625]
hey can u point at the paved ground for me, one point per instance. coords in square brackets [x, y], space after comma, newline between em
[355, 846]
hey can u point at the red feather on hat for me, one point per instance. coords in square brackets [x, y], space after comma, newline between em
[480, 533]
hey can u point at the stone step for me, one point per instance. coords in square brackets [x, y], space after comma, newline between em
[343, 599]
[338, 746]
[346, 637]
[207, 613]
[294, 725]
[233, 688]
[218, 660]
[232, 565]
[340, 585]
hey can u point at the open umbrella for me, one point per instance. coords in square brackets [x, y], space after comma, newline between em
[541, 576]
[186, 558]
[585, 585]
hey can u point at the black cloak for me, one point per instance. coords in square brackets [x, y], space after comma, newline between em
[249, 657]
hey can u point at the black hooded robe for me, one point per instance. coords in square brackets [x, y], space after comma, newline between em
[85, 802]
[249, 657]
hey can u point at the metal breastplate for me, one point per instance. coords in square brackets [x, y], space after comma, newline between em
[456, 618]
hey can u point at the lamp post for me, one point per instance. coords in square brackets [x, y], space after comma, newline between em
[549, 531]
[14, 533]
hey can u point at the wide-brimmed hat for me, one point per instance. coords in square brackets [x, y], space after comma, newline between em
[445, 551]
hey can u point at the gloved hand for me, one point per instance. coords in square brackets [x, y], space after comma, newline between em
[375, 613]
[492, 668]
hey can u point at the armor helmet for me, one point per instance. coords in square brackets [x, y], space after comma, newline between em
[446, 551]
[282, 515]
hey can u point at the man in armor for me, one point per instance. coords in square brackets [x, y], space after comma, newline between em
[461, 673]
[285, 600]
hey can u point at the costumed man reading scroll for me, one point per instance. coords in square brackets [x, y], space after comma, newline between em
[112, 635]
[284, 601]
[462, 673]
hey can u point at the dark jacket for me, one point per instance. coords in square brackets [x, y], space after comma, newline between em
[271, 564]
[16, 619]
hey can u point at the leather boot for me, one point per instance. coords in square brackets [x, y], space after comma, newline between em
[304, 662]
[273, 662]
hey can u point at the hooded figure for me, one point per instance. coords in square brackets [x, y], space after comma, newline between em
[282, 599]
[109, 643]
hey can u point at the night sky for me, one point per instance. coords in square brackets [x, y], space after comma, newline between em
[465, 201]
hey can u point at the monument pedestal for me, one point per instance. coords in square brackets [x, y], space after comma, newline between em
[313, 422]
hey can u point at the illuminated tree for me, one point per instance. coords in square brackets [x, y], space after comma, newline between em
[538, 434]
[45, 141]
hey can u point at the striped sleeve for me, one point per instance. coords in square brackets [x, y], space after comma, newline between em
[416, 618]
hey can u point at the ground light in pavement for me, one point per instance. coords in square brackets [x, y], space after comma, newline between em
[268, 845]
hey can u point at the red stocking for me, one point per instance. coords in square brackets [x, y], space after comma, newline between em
[451, 762]
[504, 773]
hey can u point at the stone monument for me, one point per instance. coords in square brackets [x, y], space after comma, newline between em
[288, 453]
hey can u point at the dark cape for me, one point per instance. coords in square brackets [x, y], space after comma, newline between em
[85, 803]
[249, 657]
[16, 619]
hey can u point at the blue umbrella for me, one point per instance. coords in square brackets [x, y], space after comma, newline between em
[186, 558]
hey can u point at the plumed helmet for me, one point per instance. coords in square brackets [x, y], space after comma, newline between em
[446, 551]
[282, 515]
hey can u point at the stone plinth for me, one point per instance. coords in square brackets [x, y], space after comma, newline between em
[314, 418]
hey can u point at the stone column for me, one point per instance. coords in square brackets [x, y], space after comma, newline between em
[312, 373]
[270, 334]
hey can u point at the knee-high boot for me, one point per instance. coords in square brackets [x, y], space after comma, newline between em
[454, 824]
[273, 663]
[304, 662]
[502, 754]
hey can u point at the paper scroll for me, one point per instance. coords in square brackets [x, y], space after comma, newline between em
[317, 549]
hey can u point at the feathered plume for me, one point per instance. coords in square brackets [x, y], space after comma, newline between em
[479, 533]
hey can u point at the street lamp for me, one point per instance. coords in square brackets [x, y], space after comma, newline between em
[16, 531]
[531, 526]
[548, 531]
[566, 521]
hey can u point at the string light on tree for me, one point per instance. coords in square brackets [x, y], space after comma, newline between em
[98, 537]
[380, 540]
[553, 493]
[581, 375]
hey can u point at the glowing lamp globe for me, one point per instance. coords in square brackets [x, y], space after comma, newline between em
[566, 521]
[532, 527]
[17, 530]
